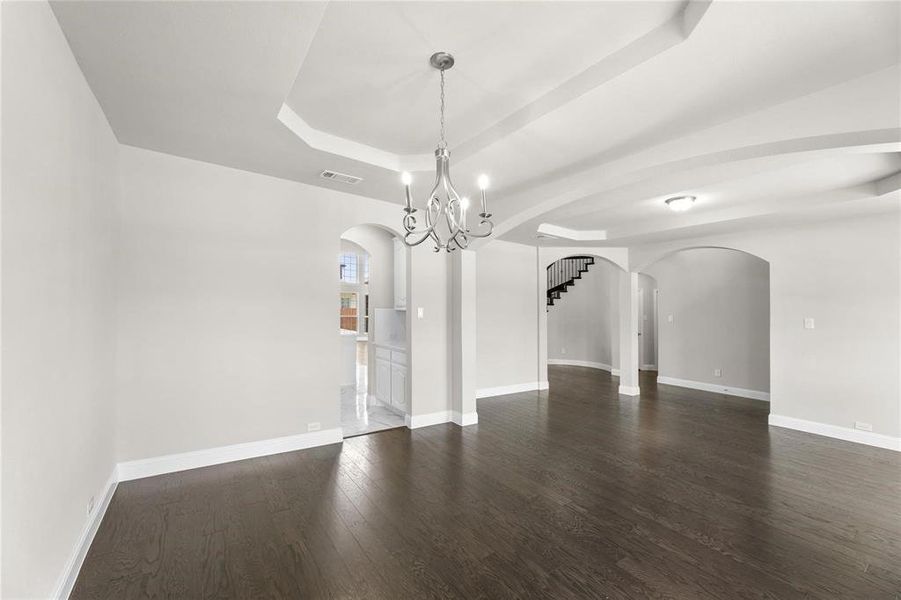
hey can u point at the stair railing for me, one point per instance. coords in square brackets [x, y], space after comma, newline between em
[562, 274]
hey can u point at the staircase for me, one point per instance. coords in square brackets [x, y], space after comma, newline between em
[562, 274]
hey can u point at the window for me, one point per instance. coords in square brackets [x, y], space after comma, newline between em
[349, 311]
[366, 315]
[348, 268]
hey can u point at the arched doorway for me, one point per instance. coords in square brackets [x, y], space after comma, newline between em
[373, 323]
[579, 322]
[713, 332]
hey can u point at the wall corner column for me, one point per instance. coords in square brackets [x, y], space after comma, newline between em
[464, 366]
[628, 334]
[541, 375]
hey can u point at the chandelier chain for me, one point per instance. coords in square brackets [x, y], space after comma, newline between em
[442, 142]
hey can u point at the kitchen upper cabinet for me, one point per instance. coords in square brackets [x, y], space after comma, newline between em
[400, 275]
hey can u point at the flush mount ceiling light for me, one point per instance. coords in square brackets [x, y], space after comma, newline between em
[680, 203]
[446, 210]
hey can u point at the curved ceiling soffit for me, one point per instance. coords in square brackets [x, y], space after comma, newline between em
[370, 225]
[655, 42]
[861, 141]
[658, 254]
[386, 223]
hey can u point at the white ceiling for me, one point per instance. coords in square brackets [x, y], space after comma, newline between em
[585, 114]
[370, 60]
[727, 197]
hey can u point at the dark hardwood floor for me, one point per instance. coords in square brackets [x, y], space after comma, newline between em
[577, 494]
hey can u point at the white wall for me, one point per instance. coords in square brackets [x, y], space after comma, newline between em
[428, 337]
[512, 320]
[844, 274]
[580, 324]
[221, 336]
[719, 301]
[507, 338]
[58, 189]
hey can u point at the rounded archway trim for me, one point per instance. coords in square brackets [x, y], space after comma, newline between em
[655, 255]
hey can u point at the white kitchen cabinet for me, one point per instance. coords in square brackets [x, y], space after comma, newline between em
[400, 275]
[399, 387]
[383, 380]
[391, 376]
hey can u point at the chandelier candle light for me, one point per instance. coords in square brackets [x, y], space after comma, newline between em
[445, 219]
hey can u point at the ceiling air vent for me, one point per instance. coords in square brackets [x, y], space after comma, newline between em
[342, 177]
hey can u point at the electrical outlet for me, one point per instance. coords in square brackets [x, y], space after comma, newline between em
[420, 313]
[809, 323]
[91, 506]
[863, 426]
[314, 426]
[562, 350]
[717, 372]
[669, 318]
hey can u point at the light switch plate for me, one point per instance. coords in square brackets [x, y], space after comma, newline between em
[420, 312]
[808, 323]
[669, 318]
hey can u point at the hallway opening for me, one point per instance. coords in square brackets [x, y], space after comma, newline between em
[582, 326]
[713, 332]
[372, 315]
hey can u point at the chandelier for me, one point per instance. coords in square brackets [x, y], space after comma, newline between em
[446, 212]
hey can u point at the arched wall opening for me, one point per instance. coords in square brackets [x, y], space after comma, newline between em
[579, 325]
[372, 272]
[712, 320]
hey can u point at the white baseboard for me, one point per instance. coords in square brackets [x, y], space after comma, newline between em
[648, 367]
[579, 363]
[614, 372]
[67, 578]
[712, 387]
[442, 416]
[428, 419]
[516, 388]
[464, 419]
[158, 465]
[629, 390]
[544, 385]
[834, 431]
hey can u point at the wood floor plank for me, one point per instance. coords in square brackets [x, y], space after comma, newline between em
[575, 492]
